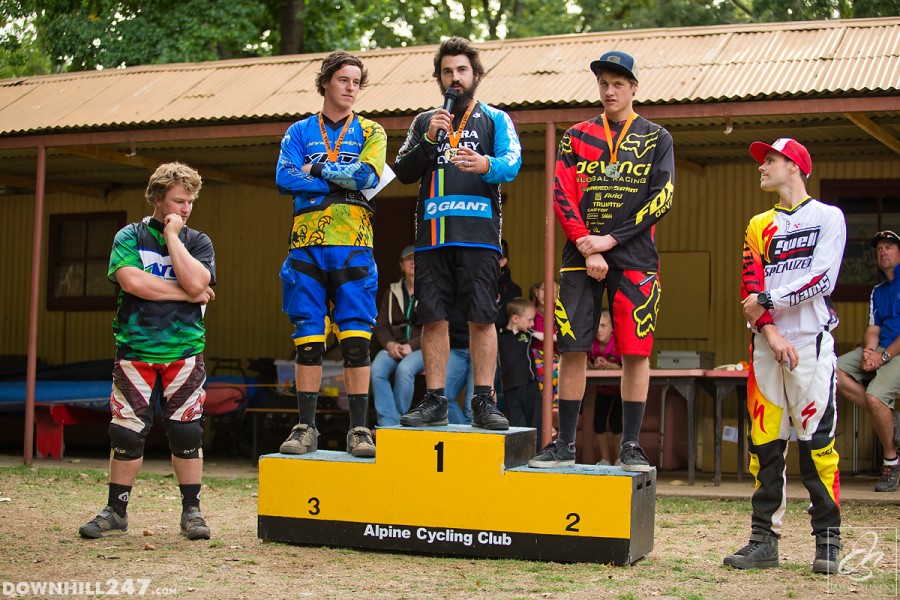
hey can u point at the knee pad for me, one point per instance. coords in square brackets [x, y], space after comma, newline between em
[185, 439]
[356, 352]
[126, 444]
[310, 354]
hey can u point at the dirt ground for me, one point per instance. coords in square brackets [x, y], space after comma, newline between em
[41, 509]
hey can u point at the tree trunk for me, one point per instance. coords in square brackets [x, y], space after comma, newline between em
[292, 26]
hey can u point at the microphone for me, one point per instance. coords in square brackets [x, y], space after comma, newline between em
[449, 98]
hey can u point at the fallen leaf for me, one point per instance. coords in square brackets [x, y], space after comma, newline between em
[149, 547]
[148, 532]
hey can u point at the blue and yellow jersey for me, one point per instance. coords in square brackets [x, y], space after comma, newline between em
[329, 206]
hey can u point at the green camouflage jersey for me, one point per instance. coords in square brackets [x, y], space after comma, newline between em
[157, 331]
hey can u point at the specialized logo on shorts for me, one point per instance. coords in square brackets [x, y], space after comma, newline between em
[639, 144]
[645, 315]
[562, 321]
[458, 206]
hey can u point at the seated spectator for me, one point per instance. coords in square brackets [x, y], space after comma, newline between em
[459, 371]
[870, 365]
[517, 372]
[400, 337]
[608, 403]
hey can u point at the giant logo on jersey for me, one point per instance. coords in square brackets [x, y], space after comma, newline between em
[638, 143]
[458, 206]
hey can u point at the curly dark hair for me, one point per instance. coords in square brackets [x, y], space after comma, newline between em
[454, 47]
[333, 63]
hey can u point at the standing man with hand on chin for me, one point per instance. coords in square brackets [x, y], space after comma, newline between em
[166, 271]
[329, 277]
[460, 157]
[614, 182]
[792, 255]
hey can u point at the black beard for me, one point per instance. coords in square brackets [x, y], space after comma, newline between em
[464, 99]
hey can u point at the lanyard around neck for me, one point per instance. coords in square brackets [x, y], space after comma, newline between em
[333, 153]
[614, 150]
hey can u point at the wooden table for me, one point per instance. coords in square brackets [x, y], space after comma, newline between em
[686, 381]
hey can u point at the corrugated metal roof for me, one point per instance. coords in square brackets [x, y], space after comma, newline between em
[684, 65]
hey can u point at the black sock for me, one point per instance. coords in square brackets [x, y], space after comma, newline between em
[306, 403]
[632, 417]
[359, 406]
[435, 392]
[118, 497]
[485, 390]
[568, 420]
[190, 495]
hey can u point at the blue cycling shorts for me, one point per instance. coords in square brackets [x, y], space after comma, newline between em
[330, 288]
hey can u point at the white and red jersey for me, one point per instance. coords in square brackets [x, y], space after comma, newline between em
[795, 255]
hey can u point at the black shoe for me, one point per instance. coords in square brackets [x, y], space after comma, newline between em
[108, 522]
[555, 454]
[633, 458]
[890, 477]
[431, 412]
[193, 525]
[486, 415]
[760, 553]
[827, 558]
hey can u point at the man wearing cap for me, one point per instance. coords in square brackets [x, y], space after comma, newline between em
[614, 182]
[400, 336]
[791, 258]
[460, 155]
[866, 375]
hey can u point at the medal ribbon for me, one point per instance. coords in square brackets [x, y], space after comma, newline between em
[455, 136]
[333, 154]
[614, 150]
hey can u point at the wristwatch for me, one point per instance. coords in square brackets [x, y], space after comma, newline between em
[765, 300]
[885, 357]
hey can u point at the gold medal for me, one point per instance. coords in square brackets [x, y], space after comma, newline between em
[455, 136]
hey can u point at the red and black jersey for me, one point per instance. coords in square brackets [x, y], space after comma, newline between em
[589, 202]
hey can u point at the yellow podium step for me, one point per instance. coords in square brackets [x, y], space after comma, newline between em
[457, 490]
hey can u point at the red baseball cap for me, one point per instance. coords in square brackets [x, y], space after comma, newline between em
[792, 149]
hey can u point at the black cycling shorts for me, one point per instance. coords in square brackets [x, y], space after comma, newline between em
[454, 276]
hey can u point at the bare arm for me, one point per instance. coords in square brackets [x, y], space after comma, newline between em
[150, 287]
[192, 276]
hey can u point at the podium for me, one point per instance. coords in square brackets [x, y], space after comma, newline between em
[460, 491]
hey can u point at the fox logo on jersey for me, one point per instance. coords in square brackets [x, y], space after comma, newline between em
[565, 145]
[638, 144]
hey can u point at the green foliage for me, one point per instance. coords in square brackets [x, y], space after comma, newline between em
[68, 35]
